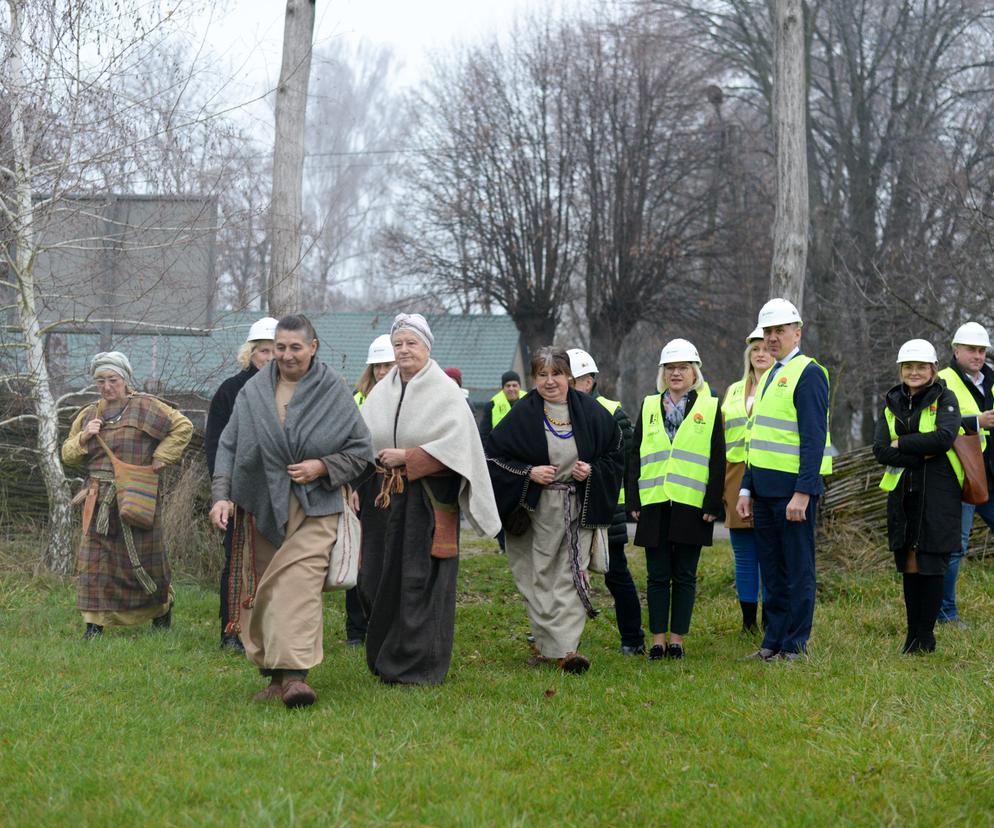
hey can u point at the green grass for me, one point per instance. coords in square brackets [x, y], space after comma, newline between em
[144, 729]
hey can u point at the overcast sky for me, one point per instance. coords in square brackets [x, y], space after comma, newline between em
[248, 34]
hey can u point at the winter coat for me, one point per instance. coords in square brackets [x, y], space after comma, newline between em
[926, 505]
[618, 530]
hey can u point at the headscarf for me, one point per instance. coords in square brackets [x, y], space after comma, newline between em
[113, 361]
[416, 323]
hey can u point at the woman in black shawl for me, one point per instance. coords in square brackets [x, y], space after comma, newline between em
[556, 462]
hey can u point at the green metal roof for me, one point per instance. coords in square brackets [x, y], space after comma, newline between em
[481, 346]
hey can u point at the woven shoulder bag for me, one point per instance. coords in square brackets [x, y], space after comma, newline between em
[137, 490]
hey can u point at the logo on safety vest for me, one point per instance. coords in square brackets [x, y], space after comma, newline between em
[934, 407]
[782, 381]
[698, 418]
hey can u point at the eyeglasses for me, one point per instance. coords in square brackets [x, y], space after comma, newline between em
[676, 369]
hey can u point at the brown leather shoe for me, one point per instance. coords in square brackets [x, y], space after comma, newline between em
[273, 692]
[574, 663]
[297, 693]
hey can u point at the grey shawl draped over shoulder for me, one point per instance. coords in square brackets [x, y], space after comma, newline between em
[322, 423]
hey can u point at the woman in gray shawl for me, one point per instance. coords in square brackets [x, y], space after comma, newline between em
[294, 439]
[431, 466]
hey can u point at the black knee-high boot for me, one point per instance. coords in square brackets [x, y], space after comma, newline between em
[930, 601]
[749, 616]
[911, 608]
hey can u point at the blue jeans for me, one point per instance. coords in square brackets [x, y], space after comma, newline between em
[948, 612]
[786, 552]
[747, 574]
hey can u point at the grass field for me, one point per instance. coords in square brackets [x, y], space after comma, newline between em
[146, 729]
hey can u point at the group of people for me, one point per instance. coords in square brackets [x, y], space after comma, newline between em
[556, 472]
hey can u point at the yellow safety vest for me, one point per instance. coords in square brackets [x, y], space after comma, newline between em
[774, 440]
[926, 424]
[359, 398]
[612, 406]
[676, 471]
[501, 407]
[967, 403]
[733, 411]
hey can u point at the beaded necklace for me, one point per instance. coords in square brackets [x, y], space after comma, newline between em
[551, 423]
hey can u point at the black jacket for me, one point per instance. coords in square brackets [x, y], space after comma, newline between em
[220, 411]
[925, 507]
[686, 523]
[518, 443]
[618, 530]
[986, 403]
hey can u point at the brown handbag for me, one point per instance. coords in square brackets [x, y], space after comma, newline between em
[967, 448]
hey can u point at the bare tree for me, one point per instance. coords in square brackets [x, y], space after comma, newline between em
[288, 156]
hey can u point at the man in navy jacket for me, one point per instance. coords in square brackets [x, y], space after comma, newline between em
[783, 480]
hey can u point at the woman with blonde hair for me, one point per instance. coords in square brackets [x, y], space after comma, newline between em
[253, 355]
[674, 490]
[736, 409]
[379, 361]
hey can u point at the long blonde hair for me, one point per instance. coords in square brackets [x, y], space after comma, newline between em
[366, 381]
[747, 369]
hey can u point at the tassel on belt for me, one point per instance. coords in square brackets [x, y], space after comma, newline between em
[581, 581]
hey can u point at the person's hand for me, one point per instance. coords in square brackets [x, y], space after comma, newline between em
[798, 507]
[581, 471]
[743, 508]
[894, 442]
[542, 474]
[709, 518]
[986, 419]
[306, 471]
[635, 516]
[157, 465]
[221, 512]
[354, 501]
[391, 458]
[91, 428]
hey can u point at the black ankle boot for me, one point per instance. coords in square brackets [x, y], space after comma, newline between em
[163, 622]
[749, 616]
[93, 631]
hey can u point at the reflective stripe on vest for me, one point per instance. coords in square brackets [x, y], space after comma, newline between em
[676, 471]
[733, 412]
[612, 406]
[359, 398]
[926, 424]
[967, 404]
[774, 440]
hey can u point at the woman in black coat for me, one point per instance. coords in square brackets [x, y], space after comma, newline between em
[673, 532]
[913, 438]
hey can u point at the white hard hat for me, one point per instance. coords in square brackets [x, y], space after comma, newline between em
[971, 333]
[679, 350]
[264, 328]
[918, 350]
[380, 350]
[581, 363]
[777, 312]
[756, 334]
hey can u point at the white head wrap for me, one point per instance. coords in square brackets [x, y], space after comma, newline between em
[413, 322]
[113, 361]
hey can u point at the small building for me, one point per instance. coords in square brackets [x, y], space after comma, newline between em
[188, 369]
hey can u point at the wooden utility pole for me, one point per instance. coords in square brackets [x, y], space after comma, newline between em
[790, 223]
[288, 158]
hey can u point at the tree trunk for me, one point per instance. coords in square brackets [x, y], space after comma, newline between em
[790, 223]
[59, 552]
[288, 158]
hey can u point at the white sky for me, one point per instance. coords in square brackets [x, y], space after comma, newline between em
[248, 34]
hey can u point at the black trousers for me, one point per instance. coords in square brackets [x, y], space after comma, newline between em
[355, 618]
[627, 606]
[672, 586]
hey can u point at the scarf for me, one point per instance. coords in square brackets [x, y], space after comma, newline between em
[518, 443]
[674, 413]
[255, 448]
[430, 412]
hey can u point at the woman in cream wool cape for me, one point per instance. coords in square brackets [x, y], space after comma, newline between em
[433, 415]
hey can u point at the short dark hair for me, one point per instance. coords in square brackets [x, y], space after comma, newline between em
[551, 355]
[298, 323]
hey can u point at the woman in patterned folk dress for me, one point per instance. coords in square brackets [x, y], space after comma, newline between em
[123, 570]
